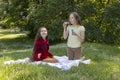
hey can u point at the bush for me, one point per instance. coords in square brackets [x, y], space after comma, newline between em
[101, 18]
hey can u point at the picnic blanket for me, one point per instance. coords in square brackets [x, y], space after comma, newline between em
[63, 64]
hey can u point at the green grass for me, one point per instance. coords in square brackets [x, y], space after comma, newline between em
[105, 59]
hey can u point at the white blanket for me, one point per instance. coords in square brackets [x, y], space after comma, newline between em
[63, 64]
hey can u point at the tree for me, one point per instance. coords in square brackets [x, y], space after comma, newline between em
[100, 17]
[14, 13]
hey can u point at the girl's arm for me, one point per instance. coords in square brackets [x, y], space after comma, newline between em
[65, 31]
[37, 50]
[81, 37]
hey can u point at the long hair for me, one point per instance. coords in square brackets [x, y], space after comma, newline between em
[77, 17]
[38, 36]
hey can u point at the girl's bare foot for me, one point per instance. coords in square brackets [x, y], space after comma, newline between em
[51, 60]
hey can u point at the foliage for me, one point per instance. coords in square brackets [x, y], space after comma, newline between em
[13, 13]
[96, 16]
[100, 17]
[111, 24]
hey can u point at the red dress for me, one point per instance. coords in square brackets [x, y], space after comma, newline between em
[41, 46]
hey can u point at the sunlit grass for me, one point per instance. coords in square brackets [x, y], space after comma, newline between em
[4, 30]
[7, 34]
[119, 47]
[105, 63]
[10, 36]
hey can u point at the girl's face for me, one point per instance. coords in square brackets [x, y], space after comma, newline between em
[72, 19]
[43, 32]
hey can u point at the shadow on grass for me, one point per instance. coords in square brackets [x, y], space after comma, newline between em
[19, 42]
[16, 54]
[16, 48]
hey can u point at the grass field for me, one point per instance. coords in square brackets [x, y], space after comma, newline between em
[105, 59]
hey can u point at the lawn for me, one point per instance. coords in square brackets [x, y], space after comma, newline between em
[105, 59]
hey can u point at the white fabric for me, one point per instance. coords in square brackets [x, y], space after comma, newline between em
[63, 64]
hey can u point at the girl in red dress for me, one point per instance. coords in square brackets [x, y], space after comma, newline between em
[41, 47]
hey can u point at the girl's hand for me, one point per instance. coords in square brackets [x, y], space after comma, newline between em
[73, 33]
[39, 55]
[65, 24]
[65, 31]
